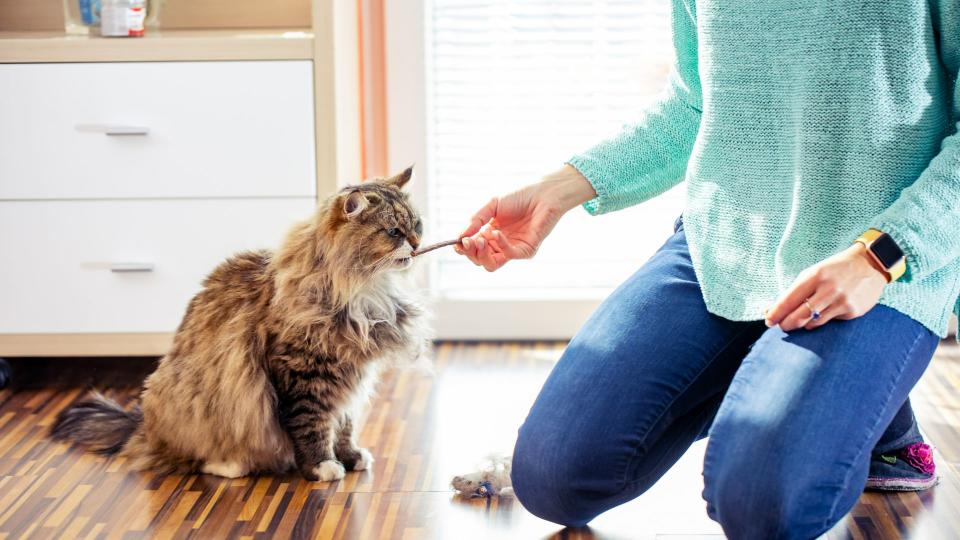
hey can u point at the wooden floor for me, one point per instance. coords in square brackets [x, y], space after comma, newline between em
[422, 429]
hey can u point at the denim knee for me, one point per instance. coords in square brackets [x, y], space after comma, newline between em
[746, 493]
[756, 486]
[545, 482]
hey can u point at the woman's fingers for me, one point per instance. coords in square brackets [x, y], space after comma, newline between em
[802, 314]
[469, 250]
[787, 304]
[484, 249]
[486, 246]
[833, 311]
[487, 260]
[481, 218]
[480, 251]
[488, 254]
[511, 250]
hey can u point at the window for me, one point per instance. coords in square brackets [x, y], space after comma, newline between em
[516, 87]
[491, 95]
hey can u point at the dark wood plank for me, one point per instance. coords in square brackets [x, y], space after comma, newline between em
[422, 428]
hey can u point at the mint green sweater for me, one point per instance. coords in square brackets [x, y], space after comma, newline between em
[797, 126]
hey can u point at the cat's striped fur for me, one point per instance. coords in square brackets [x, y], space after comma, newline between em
[274, 353]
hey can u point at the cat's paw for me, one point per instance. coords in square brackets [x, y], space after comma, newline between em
[355, 459]
[224, 469]
[327, 470]
[364, 461]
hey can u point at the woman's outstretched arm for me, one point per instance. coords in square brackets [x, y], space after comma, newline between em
[644, 160]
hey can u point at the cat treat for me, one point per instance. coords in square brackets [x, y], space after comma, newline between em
[431, 247]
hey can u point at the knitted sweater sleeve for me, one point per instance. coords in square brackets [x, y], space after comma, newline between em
[925, 219]
[649, 157]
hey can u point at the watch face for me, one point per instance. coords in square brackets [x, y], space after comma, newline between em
[886, 250]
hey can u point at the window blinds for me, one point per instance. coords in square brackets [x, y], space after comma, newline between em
[515, 87]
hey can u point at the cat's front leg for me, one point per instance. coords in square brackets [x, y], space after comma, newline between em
[417, 342]
[416, 352]
[311, 429]
[347, 451]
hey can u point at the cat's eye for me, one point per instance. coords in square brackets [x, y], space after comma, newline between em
[394, 232]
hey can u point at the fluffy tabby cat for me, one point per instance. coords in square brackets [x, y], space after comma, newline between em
[274, 351]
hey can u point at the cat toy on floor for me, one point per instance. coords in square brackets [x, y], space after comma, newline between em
[491, 480]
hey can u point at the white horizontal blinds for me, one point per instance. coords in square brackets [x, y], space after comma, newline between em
[517, 87]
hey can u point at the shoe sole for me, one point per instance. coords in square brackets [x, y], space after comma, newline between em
[902, 484]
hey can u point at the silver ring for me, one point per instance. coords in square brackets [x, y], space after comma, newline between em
[814, 314]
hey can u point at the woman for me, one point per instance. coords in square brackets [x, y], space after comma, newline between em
[803, 292]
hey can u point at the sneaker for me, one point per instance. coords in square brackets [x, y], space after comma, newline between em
[908, 469]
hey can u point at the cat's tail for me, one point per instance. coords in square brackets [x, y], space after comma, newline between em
[97, 422]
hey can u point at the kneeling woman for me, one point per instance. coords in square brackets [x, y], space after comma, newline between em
[803, 292]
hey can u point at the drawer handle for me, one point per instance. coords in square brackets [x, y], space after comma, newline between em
[131, 267]
[114, 130]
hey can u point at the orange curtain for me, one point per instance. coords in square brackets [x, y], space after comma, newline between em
[373, 92]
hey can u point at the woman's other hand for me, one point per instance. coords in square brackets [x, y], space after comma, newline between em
[514, 226]
[845, 286]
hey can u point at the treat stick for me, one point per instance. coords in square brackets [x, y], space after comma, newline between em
[432, 247]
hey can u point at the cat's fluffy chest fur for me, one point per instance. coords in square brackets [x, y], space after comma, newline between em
[379, 322]
[387, 315]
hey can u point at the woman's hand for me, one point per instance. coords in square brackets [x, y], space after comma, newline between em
[514, 226]
[844, 286]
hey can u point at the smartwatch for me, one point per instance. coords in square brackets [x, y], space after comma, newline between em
[885, 252]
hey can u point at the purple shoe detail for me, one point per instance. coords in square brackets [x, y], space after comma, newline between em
[920, 457]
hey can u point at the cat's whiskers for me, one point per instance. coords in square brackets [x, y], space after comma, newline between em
[377, 264]
[365, 266]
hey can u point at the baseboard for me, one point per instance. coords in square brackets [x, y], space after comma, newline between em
[119, 344]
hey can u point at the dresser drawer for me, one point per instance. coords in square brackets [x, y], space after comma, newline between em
[123, 266]
[156, 129]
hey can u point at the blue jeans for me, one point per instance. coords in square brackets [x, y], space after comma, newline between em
[792, 417]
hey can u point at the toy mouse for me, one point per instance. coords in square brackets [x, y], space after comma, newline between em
[493, 479]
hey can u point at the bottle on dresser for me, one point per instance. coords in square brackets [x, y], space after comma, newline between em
[122, 18]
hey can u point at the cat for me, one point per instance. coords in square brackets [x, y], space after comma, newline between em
[276, 350]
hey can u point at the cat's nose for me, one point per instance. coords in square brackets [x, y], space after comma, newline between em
[414, 242]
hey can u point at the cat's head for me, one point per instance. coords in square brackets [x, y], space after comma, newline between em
[372, 227]
[358, 234]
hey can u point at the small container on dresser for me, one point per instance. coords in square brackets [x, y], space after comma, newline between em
[122, 18]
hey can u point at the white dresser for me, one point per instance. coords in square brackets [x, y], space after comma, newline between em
[123, 184]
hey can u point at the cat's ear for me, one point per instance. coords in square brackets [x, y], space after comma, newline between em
[401, 179]
[354, 203]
